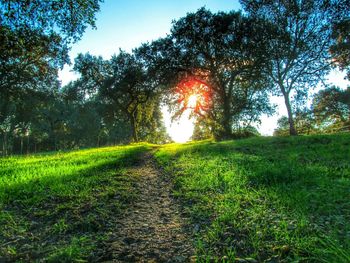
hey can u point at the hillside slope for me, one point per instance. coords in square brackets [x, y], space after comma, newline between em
[61, 207]
[254, 200]
[106, 204]
[271, 199]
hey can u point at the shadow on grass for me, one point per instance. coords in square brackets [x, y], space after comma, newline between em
[282, 197]
[69, 217]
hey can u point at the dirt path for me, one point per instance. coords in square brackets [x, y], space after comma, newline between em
[152, 229]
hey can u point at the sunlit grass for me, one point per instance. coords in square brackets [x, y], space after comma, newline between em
[266, 198]
[58, 207]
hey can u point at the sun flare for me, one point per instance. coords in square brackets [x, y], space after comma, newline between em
[194, 98]
[192, 101]
[180, 130]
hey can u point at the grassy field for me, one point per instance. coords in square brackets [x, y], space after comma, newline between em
[254, 200]
[268, 199]
[58, 207]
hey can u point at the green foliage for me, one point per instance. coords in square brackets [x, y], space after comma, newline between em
[280, 199]
[150, 122]
[340, 50]
[305, 124]
[57, 207]
[332, 109]
[29, 59]
[124, 86]
[69, 18]
[35, 40]
[245, 132]
[280, 46]
[35, 37]
[299, 47]
[75, 116]
[282, 127]
[127, 88]
[201, 131]
[329, 113]
[223, 51]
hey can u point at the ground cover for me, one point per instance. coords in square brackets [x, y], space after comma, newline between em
[271, 199]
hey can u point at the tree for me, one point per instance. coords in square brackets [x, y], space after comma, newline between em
[35, 35]
[341, 49]
[68, 17]
[150, 124]
[127, 88]
[305, 124]
[332, 108]
[124, 85]
[217, 56]
[282, 127]
[299, 49]
[201, 131]
[26, 58]
[18, 115]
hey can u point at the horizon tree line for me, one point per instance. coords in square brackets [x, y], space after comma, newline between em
[232, 60]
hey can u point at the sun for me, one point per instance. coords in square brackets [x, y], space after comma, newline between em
[192, 101]
[180, 130]
[193, 94]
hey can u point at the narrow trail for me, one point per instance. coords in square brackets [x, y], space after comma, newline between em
[153, 228]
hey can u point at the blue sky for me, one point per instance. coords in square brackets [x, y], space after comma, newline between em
[126, 24]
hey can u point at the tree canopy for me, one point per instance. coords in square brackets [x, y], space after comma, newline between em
[35, 36]
[217, 56]
[299, 49]
[221, 66]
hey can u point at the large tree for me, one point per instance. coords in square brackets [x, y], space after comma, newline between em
[128, 88]
[299, 49]
[217, 57]
[124, 85]
[36, 36]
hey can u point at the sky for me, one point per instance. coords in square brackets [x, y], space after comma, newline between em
[126, 24]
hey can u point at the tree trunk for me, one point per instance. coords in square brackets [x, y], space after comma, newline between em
[3, 147]
[292, 130]
[28, 150]
[134, 128]
[225, 131]
[5, 144]
[55, 143]
[21, 145]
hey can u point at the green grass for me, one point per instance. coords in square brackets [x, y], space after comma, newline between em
[271, 199]
[59, 207]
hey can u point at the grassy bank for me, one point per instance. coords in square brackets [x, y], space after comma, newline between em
[58, 207]
[268, 199]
